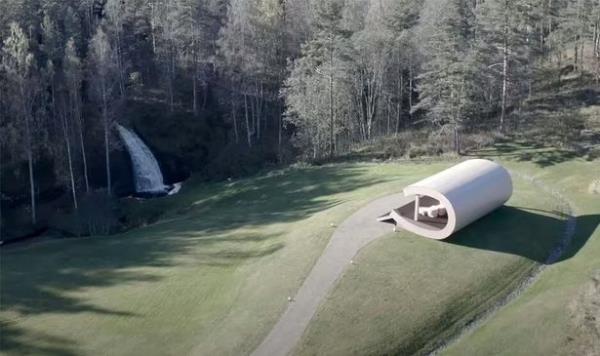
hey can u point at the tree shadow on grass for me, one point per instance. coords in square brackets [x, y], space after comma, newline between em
[34, 343]
[533, 234]
[527, 152]
[221, 228]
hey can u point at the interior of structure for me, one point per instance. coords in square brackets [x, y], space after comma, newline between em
[425, 212]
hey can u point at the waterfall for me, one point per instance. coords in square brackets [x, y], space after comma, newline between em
[147, 175]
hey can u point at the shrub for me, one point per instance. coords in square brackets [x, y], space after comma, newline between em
[236, 161]
[593, 153]
[98, 214]
[426, 149]
[416, 151]
[479, 140]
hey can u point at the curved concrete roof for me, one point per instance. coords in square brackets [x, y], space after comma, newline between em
[467, 191]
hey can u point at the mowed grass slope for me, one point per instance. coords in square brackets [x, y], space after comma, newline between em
[211, 277]
[404, 293]
[560, 313]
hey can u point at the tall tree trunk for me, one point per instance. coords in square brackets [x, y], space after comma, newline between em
[576, 53]
[194, 33]
[1, 185]
[153, 26]
[106, 140]
[360, 106]
[234, 117]
[529, 62]
[253, 116]
[29, 143]
[504, 73]
[596, 40]
[248, 132]
[120, 63]
[69, 159]
[549, 16]
[204, 96]
[315, 145]
[371, 98]
[559, 62]
[29, 148]
[388, 115]
[77, 114]
[83, 156]
[331, 113]
[171, 82]
[259, 109]
[279, 126]
[456, 139]
[410, 88]
[400, 100]
[582, 58]
[195, 94]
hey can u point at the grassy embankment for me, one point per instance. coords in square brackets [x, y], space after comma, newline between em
[560, 314]
[405, 293]
[211, 276]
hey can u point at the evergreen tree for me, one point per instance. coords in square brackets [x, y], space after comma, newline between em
[576, 27]
[22, 84]
[401, 19]
[503, 38]
[445, 84]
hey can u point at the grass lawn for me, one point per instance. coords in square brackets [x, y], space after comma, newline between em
[213, 274]
[210, 277]
[560, 313]
[405, 292]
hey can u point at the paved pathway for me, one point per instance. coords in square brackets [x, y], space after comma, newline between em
[352, 235]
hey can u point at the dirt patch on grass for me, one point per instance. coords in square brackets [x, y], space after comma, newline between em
[594, 187]
[585, 318]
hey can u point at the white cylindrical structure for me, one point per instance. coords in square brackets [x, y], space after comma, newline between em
[466, 192]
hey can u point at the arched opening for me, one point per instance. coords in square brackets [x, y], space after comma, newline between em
[425, 212]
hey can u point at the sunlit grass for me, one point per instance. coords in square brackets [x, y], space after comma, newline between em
[211, 276]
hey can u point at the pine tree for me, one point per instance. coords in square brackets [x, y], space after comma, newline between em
[445, 84]
[401, 19]
[22, 83]
[576, 26]
[503, 36]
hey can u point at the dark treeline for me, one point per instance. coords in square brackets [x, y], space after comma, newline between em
[310, 77]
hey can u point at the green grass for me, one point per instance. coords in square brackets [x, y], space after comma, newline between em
[406, 292]
[210, 277]
[212, 274]
[557, 315]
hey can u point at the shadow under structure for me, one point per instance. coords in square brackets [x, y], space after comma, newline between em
[529, 233]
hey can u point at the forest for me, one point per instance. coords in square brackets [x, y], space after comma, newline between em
[221, 87]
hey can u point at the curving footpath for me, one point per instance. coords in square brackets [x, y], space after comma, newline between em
[353, 234]
[356, 232]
